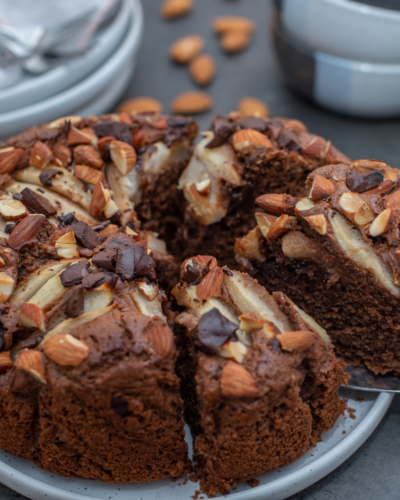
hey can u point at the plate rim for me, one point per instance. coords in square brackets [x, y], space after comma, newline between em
[280, 488]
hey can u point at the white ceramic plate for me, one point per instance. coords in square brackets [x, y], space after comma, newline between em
[25, 478]
[81, 94]
[346, 29]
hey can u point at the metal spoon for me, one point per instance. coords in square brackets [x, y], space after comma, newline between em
[364, 380]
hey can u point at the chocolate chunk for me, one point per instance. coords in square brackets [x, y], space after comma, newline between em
[75, 304]
[17, 196]
[102, 225]
[67, 220]
[46, 175]
[360, 182]
[95, 279]
[120, 406]
[177, 122]
[195, 273]
[37, 203]
[9, 227]
[287, 139]
[227, 271]
[121, 131]
[125, 264]
[30, 343]
[2, 341]
[275, 345]
[48, 134]
[212, 331]
[254, 123]
[223, 129]
[144, 264]
[85, 235]
[105, 259]
[74, 274]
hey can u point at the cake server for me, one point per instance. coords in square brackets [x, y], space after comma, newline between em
[363, 380]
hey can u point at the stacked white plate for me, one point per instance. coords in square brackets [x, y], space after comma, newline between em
[89, 85]
[344, 54]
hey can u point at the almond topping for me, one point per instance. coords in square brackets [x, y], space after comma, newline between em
[186, 48]
[139, 105]
[110, 229]
[13, 210]
[123, 155]
[304, 204]
[202, 69]
[62, 154]
[6, 286]
[87, 155]
[32, 316]
[264, 222]
[236, 382]
[5, 361]
[235, 351]
[317, 222]
[66, 350]
[32, 362]
[9, 157]
[88, 174]
[76, 136]
[203, 187]
[277, 203]
[384, 223]
[191, 103]
[100, 199]
[162, 339]
[356, 209]
[282, 225]
[25, 231]
[149, 291]
[321, 188]
[295, 125]
[393, 201]
[60, 122]
[249, 321]
[41, 155]
[383, 187]
[388, 172]
[210, 285]
[249, 139]
[251, 106]
[176, 8]
[233, 23]
[297, 341]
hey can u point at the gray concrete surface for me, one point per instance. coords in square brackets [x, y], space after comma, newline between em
[373, 471]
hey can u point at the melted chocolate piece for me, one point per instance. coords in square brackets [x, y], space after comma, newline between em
[194, 274]
[120, 406]
[287, 139]
[275, 345]
[75, 305]
[17, 196]
[121, 131]
[360, 182]
[47, 174]
[37, 203]
[95, 279]
[85, 235]
[227, 271]
[212, 331]
[74, 274]
[254, 123]
[9, 227]
[223, 129]
[125, 264]
[177, 122]
[2, 341]
[144, 264]
[67, 220]
[30, 343]
[102, 225]
[105, 259]
[48, 134]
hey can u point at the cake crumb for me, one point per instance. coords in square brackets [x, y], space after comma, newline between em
[352, 413]
[196, 495]
[194, 477]
[185, 481]
[359, 400]
[253, 482]
[343, 432]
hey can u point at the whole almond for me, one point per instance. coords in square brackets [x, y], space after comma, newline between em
[9, 157]
[162, 339]
[140, 104]
[229, 23]
[297, 341]
[191, 102]
[186, 48]
[32, 362]
[66, 350]
[25, 231]
[176, 8]
[236, 382]
[202, 69]
[210, 285]
[251, 106]
[248, 140]
[235, 40]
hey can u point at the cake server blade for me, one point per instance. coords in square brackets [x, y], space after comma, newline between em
[363, 380]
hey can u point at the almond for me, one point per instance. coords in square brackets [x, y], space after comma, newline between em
[249, 321]
[9, 157]
[235, 40]
[76, 136]
[388, 172]
[110, 229]
[199, 260]
[203, 187]
[55, 236]
[384, 223]
[87, 155]
[317, 222]
[6, 286]
[25, 231]
[125, 117]
[123, 155]
[304, 204]
[32, 316]
[149, 291]
[210, 285]
[191, 103]
[139, 105]
[393, 201]
[5, 361]
[236, 382]
[13, 210]
[88, 174]
[248, 140]
[202, 69]
[41, 155]
[316, 146]
[32, 362]
[295, 125]
[60, 122]
[251, 106]
[62, 154]
[277, 203]
[101, 201]
[66, 350]
[383, 187]
[235, 351]
[176, 8]
[233, 23]
[282, 225]
[356, 209]
[321, 188]
[186, 48]
[296, 341]
[162, 339]
[264, 222]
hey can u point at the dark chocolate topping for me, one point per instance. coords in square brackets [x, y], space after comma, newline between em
[287, 139]
[85, 235]
[195, 273]
[46, 175]
[212, 331]
[125, 263]
[67, 220]
[74, 274]
[120, 406]
[9, 227]
[106, 259]
[120, 131]
[360, 182]
[254, 123]
[37, 203]
[223, 129]
[98, 278]
[75, 304]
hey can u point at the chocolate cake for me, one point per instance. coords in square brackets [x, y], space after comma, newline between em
[335, 253]
[236, 161]
[259, 377]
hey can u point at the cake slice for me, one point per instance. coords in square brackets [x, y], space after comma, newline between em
[335, 253]
[236, 161]
[259, 377]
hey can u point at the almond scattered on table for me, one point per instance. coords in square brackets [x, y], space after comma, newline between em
[235, 40]
[202, 69]
[233, 23]
[186, 48]
[140, 104]
[171, 9]
[191, 102]
[250, 106]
